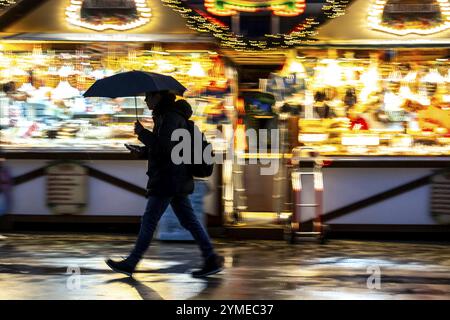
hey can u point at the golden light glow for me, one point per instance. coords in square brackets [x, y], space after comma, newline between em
[360, 140]
[375, 20]
[318, 181]
[312, 137]
[293, 65]
[433, 76]
[395, 76]
[296, 181]
[328, 73]
[297, 67]
[196, 70]
[73, 16]
[370, 80]
[285, 8]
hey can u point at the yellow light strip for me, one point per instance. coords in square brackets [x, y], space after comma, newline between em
[264, 155]
[264, 215]
[73, 16]
[375, 19]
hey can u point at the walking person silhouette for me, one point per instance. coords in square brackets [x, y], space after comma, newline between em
[168, 184]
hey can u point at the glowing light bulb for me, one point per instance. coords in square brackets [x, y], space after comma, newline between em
[297, 67]
[332, 74]
[410, 77]
[433, 76]
[196, 70]
[395, 76]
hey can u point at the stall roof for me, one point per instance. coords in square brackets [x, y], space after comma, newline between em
[352, 29]
[106, 37]
[9, 11]
[45, 20]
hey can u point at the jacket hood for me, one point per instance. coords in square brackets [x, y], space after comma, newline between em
[182, 107]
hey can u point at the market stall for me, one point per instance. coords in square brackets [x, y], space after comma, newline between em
[371, 96]
[65, 152]
[363, 83]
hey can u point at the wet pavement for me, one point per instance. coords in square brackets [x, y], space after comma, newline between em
[46, 266]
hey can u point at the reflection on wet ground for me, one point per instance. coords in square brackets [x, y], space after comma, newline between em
[46, 266]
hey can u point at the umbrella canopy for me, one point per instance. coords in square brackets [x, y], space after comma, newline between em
[133, 83]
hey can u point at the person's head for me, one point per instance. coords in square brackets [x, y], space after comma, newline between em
[9, 87]
[155, 99]
[319, 96]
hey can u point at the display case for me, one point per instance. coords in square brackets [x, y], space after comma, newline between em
[377, 116]
[42, 107]
[376, 102]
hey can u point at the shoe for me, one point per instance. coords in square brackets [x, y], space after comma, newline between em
[212, 265]
[121, 266]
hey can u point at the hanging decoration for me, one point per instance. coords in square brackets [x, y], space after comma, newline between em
[403, 17]
[101, 15]
[203, 21]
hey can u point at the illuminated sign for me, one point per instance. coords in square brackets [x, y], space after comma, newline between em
[66, 188]
[101, 15]
[402, 17]
[286, 8]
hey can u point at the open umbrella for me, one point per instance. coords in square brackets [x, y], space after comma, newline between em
[133, 83]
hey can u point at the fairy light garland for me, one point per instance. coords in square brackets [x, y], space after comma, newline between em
[197, 20]
[335, 8]
[7, 3]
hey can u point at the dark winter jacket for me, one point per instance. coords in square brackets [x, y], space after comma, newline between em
[164, 177]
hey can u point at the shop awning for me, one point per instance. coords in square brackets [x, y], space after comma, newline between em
[352, 29]
[108, 37]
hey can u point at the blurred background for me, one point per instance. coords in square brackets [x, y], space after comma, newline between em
[358, 91]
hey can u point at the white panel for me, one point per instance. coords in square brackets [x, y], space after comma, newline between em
[131, 171]
[19, 167]
[106, 199]
[29, 198]
[344, 186]
[409, 208]
[103, 198]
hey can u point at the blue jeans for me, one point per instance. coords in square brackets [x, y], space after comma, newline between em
[181, 205]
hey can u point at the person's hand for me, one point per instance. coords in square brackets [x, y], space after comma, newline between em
[138, 127]
[133, 148]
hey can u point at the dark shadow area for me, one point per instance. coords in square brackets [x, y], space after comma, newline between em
[128, 228]
[143, 290]
[212, 284]
[22, 268]
[147, 293]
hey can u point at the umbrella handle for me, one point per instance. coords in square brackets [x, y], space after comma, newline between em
[135, 107]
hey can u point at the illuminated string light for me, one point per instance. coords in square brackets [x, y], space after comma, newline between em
[335, 8]
[303, 33]
[73, 16]
[7, 3]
